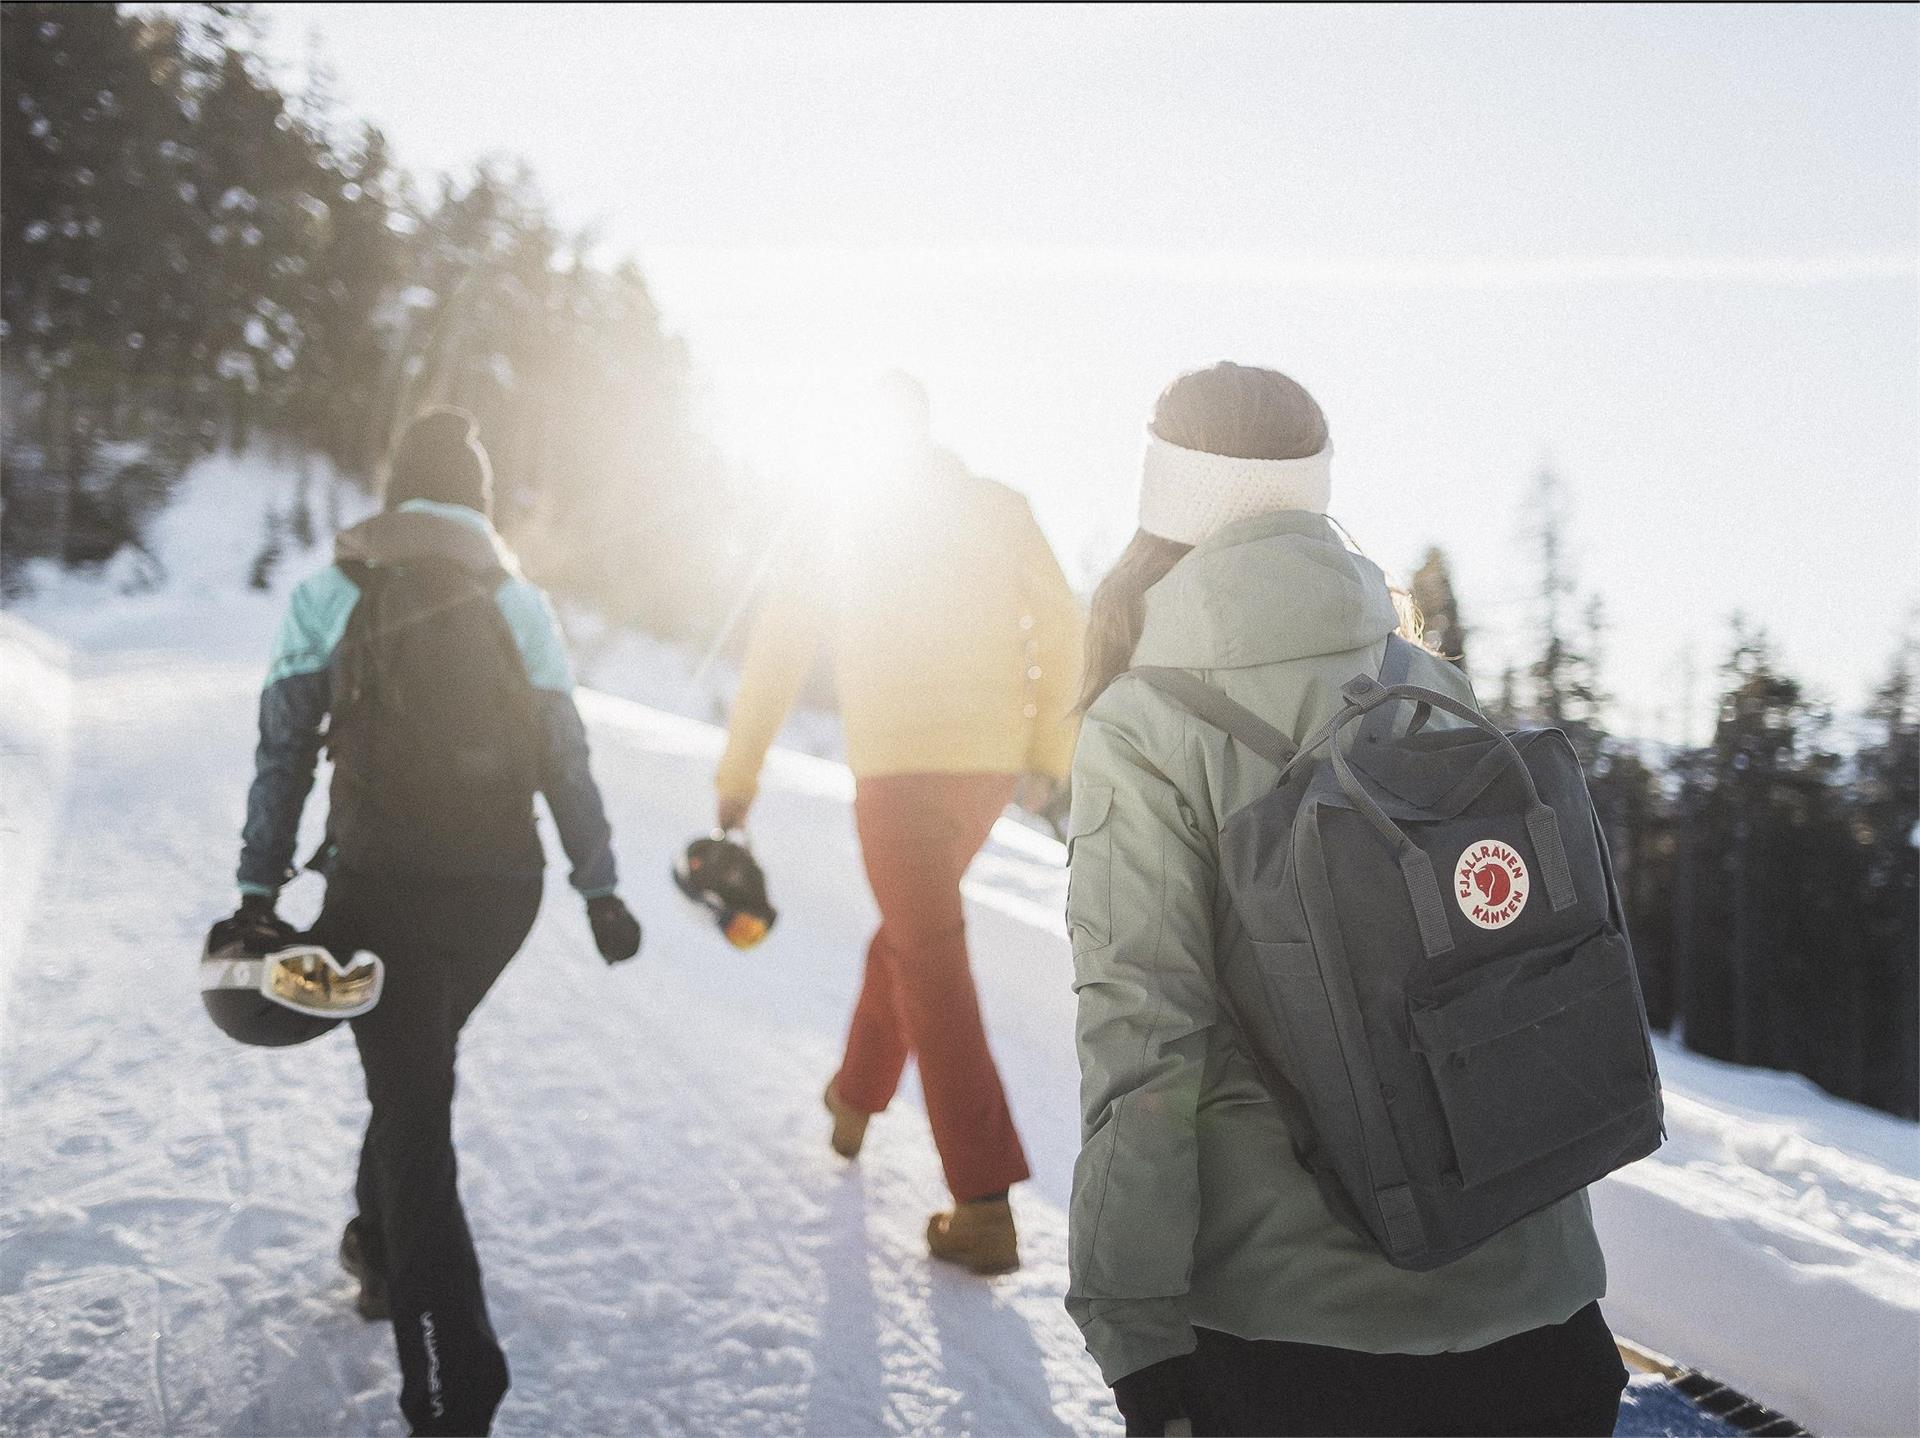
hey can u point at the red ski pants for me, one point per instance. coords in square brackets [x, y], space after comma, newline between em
[918, 833]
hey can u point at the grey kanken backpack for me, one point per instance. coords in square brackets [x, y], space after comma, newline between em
[1421, 940]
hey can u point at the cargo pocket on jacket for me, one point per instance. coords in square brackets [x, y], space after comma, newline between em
[1090, 867]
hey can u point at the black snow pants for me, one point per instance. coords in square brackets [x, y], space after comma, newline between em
[444, 942]
[1565, 1378]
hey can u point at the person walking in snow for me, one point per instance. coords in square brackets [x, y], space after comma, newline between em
[955, 642]
[1208, 1272]
[436, 677]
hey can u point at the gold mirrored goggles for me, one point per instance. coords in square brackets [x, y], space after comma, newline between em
[743, 931]
[305, 978]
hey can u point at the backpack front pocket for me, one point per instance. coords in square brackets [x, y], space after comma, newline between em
[1534, 1052]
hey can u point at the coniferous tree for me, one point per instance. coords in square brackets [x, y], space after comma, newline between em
[1568, 694]
[1433, 594]
[1547, 523]
[1504, 706]
[190, 256]
[1566, 688]
[89, 137]
[1773, 940]
[1632, 809]
[1887, 824]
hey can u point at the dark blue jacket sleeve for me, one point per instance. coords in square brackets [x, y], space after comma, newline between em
[574, 798]
[293, 712]
[566, 775]
[293, 715]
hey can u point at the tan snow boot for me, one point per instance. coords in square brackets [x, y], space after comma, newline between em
[849, 1124]
[978, 1236]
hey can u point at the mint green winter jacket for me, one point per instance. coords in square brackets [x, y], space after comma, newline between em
[1188, 1205]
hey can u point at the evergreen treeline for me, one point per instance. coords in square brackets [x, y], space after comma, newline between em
[1769, 875]
[191, 258]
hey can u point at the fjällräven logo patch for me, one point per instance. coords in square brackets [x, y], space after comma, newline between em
[1491, 883]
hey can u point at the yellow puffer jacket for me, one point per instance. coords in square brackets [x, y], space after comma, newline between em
[955, 640]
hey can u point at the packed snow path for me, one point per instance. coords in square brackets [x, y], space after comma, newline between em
[670, 1246]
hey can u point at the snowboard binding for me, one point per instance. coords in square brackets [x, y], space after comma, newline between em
[719, 874]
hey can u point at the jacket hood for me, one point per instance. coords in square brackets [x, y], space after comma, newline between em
[1271, 588]
[422, 529]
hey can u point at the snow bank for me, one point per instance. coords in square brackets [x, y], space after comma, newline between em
[192, 582]
[1774, 1242]
[35, 746]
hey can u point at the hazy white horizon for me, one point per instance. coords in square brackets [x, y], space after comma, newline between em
[1672, 250]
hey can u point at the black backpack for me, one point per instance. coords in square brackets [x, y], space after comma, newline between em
[1424, 947]
[433, 729]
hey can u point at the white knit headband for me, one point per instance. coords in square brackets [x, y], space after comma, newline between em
[1186, 494]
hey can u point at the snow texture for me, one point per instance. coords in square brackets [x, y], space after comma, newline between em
[34, 750]
[670, 1246]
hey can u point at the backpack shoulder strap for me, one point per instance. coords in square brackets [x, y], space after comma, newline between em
[361, 575]
[1204, 702]
[1395, 668]
[481, 586]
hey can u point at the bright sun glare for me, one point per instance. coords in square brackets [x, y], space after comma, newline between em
[825, 440]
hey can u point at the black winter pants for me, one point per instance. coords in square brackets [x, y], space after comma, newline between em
[1562, 1379]
[444, 942]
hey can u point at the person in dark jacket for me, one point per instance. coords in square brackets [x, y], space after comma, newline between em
[442, 720]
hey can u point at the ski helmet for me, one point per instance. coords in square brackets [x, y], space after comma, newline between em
[287, 996]
[721, 876]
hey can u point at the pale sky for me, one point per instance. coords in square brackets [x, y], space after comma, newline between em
[1672, 249]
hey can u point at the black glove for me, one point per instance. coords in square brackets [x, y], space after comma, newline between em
[1150, 1398]
[616, 933]
[253, 927]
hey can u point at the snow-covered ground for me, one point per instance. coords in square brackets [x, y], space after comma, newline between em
[670, 1247]
[1774, 1242]
[34, 748]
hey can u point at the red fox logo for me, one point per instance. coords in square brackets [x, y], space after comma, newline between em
[1491, 883]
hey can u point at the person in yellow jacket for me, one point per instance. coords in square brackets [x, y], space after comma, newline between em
[956, 648]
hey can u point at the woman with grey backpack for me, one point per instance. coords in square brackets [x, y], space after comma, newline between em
[1357, 1017]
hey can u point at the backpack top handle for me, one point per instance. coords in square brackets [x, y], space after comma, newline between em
[1364, 695]
[1370, 701]
[1396, 668]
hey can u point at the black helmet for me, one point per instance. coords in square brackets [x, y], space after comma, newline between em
[721, 876]
[295, 992]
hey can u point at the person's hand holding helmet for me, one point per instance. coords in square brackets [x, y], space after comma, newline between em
[253, 928]
[730, 815]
